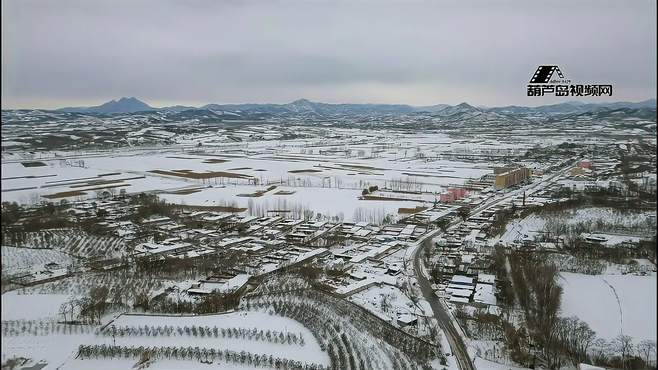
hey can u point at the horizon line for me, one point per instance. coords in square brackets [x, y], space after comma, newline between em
[343, 103]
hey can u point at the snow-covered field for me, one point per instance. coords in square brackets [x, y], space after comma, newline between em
[534, 224]
[482, 364]
[60, 348]
[42, 246]
[293, 164]
[16, 260]
[123, 364]
[27, 184]
[17, 306]
[321, 176]
[331, 202]
[309, 352]
[386, 301]
[612, 304]
[53, 349]
[43, 308]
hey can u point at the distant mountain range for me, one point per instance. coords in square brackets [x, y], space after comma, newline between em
[574, 107]
[303, 106]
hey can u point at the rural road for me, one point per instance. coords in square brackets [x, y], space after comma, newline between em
[440, 313]
[455, 340]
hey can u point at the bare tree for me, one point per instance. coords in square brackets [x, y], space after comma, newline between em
[647, 350]
[64, 309]
[623, 345]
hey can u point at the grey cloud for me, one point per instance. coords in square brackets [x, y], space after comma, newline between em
[72, 52]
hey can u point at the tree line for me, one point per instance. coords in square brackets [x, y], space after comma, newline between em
[272, 336]
[204, 355]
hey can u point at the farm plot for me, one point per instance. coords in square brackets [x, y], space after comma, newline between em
[612, 304]
[328, 202]
[52, 349]
[189, 174]
[31, 328]
[123, 286]
[168, 364]
[73, 242]
[15, 260]
[19, 306]
[317, 166]
[33, 164]
[346, 331]
[240, 340]
[257, 333]
[60, 179]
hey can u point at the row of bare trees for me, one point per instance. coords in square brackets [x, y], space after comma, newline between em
[11, 328]
[372, 215]
[623, 352]
[204, 355]
[205, 331]
[329, 318]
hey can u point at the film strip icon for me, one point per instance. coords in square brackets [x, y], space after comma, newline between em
[544, 74]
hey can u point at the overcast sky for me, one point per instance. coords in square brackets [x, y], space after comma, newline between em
[83, 52]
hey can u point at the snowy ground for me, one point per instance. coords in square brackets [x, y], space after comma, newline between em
[532, 225]
[287, 163]
[15, 260]
[343, 203]
[123, 364]
[318, 175]
[54, 348]
[386, 301]
[17, 306]
[593, 299]
[310, 352]
[57, 349]
[482, 364]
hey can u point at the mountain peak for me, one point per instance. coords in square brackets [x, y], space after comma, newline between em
[301, 101]
[301, 105]
[123, 105]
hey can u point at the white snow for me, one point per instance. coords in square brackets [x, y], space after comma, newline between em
[592, 299]
[482, 364]
[310, 352]
[31, 306]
